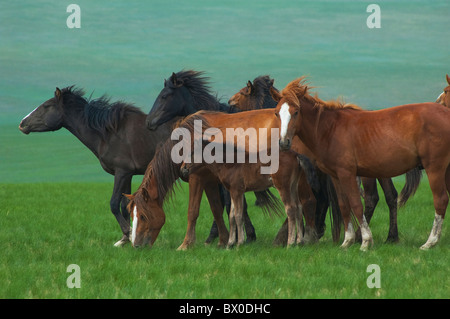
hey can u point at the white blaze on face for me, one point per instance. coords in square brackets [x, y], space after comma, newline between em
[135, 223]
[285, 117]
[30, 113]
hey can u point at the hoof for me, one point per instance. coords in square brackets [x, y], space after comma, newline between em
[122, 242]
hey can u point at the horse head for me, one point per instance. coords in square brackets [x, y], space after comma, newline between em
[174, 100]
[46, 117]
[444, 98]
[147, 217]
[288, 110]
[254, 95]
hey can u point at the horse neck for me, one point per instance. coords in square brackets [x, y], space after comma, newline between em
[74, 122]
[315, 127]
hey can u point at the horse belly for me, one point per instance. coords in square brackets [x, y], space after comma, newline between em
[387, 165]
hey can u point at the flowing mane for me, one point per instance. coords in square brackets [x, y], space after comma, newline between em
[198, 86]
[165, 171]
[100, 114]
[299, 89]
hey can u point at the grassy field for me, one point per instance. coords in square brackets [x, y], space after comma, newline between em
[55, 197]
[48, 226]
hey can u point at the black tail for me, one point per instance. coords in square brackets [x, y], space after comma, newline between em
[269, 203]
[310, 172]
[413, 178]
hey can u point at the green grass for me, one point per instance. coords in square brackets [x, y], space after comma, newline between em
[48, 226]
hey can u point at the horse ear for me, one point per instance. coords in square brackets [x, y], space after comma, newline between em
[175, 81]
[249, 87]
[275, 94]
[448, 79]
[129, 196]
[58, 94]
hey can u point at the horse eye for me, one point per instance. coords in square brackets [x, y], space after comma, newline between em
[277, 115]
[296, 112]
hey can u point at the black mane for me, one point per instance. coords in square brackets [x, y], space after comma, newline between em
[198, 86]
[262, 85]
[100, 114]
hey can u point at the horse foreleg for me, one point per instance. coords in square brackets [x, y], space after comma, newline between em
[307, 208]
[391, 196]
[349, 236]
[232, 224]
[195, 196]
[238, 203]
[226, 201]
[213, 194]
[371, 199]
[350, 187]
[122, 185]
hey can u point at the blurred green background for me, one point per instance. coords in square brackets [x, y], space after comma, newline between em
[127, 48]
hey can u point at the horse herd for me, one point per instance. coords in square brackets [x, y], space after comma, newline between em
[326, 149]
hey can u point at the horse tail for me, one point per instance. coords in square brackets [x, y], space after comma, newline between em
[269, 203]
[335, 216]
[310, 171]
[413, 178]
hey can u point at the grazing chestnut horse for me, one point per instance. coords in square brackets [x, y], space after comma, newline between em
[241, 177]
[257, 95]
[444, 98]
[400, 138]
[146, 204]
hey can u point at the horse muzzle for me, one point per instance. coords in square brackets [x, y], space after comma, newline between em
[285, 144]
[24, 128]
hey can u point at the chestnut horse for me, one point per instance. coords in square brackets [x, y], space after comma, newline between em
[146, 204]
[444, 98]
[257, 95]
[400, 138]
[241, 177]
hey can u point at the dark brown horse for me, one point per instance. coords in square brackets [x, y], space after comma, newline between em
[185, 93]
[257, 95]
[400, 138]
[444, 98]
[115, 132]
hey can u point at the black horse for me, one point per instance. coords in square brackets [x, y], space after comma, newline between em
[185, 93]
[115, 132]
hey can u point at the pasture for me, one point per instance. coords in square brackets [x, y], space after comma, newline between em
[55, 197]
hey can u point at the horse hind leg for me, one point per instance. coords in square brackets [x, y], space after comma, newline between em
[440, 189]
[249, 228]
[391, 196]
